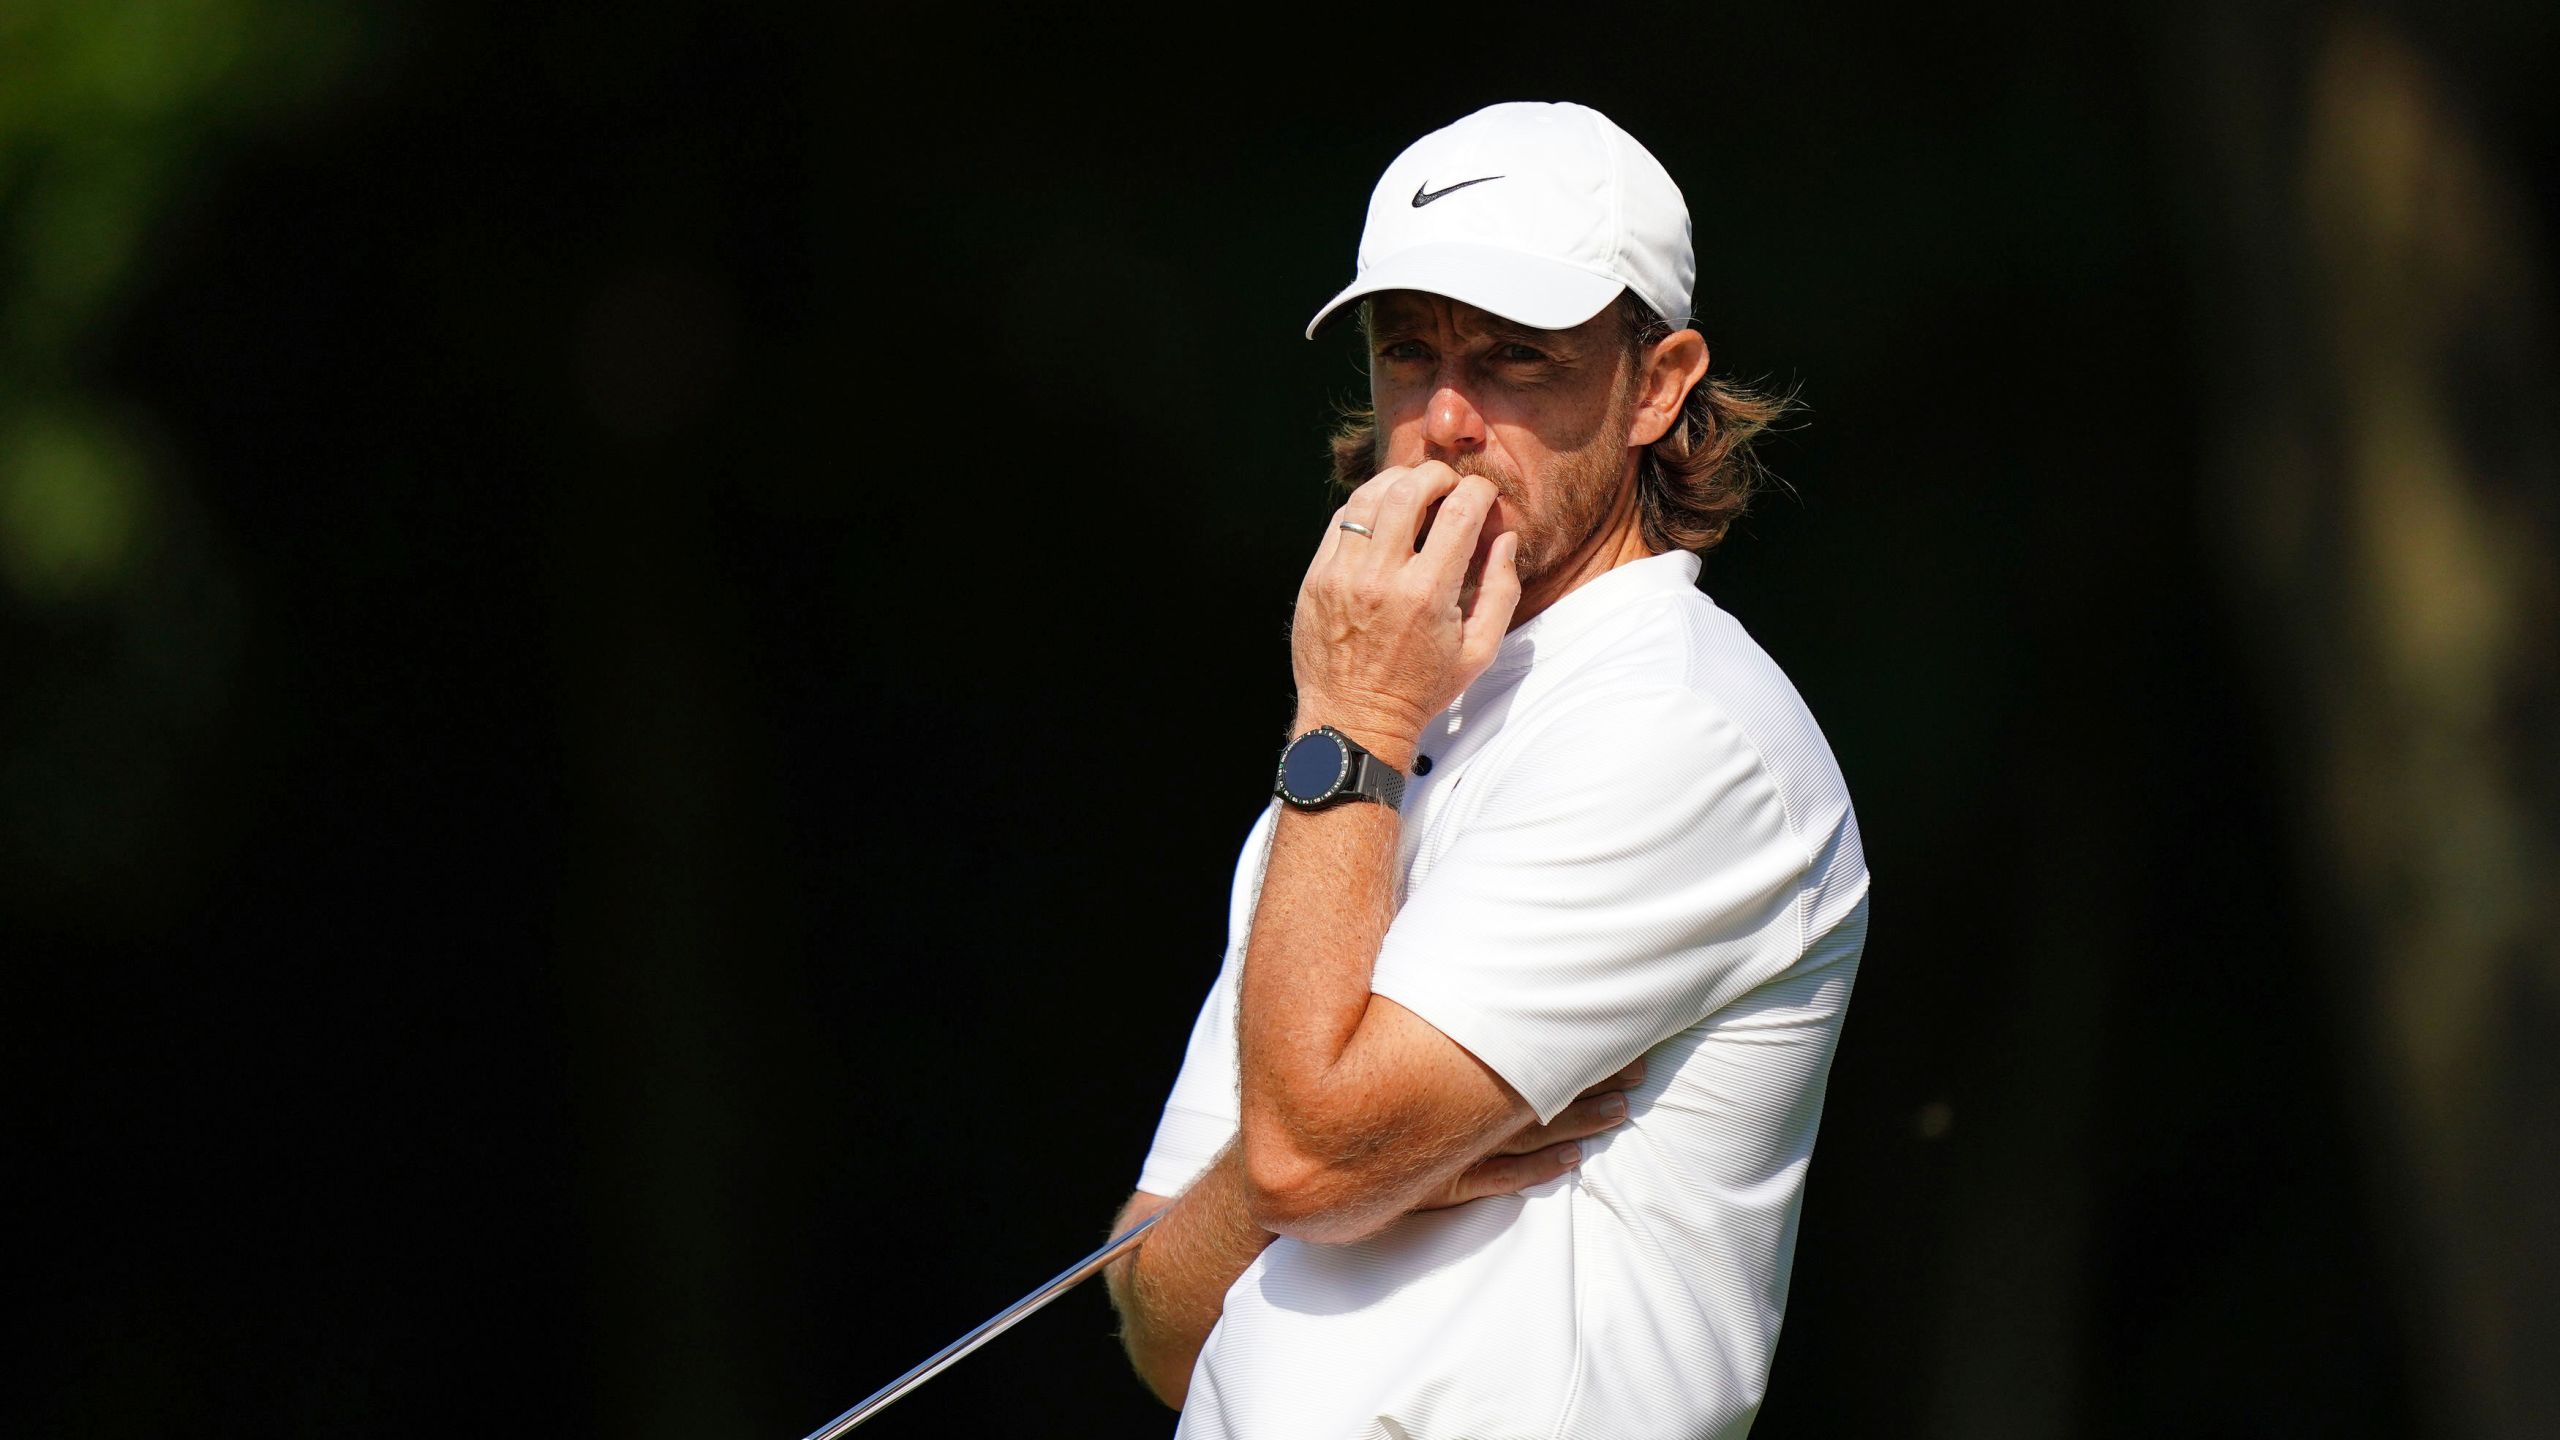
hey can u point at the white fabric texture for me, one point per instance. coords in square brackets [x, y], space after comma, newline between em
[1632, 840]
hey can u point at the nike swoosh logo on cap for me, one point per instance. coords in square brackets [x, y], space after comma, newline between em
[1423, 194]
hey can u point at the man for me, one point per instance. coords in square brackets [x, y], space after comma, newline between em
[1496, 1120]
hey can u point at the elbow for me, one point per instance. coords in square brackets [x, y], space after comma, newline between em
[1290, 1192]
[1280, 1194]
[1164, 1368]
[1169, 1382]
[1161, 1363]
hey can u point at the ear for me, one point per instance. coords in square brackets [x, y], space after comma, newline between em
[1672, 368]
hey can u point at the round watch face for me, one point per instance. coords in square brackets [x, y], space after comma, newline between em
[1315, 764]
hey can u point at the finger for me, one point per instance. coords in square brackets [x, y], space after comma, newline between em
[1334, 538]
[1583, 1118]
[1511, 1174]
[1360, 508]
[1364, 500]
[1454, 531]
[1497, 595]
[1626, 1079]
[1589, 1117]
[1400, 507]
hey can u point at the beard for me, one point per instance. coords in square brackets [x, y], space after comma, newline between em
[1580, 492]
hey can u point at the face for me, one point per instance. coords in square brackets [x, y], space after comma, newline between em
[1543, 414]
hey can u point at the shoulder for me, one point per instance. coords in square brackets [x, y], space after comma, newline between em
[1623, 767]
[1624, 722]
[1671, 703]
[1671, 673]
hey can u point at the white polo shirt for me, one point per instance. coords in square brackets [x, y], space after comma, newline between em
[1632, 840]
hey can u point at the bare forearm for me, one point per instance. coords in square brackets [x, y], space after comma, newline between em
[1327, 898]
[1351, 1111]
[1171, 1291]
[1355, 1109]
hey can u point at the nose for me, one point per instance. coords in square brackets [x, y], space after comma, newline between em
[1451, 424]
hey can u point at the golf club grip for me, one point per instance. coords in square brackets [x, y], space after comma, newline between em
[1000, 1322]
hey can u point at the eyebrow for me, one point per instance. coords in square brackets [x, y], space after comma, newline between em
[1402, 319]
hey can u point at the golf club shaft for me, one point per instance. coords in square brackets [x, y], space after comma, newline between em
[1002, 1321]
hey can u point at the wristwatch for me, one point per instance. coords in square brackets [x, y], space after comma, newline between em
[1324, 766]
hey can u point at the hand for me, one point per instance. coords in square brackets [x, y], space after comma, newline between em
[1386, 634]
[1535, 1154]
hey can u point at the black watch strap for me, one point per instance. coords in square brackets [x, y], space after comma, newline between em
[1325, 766]
[1375, 779]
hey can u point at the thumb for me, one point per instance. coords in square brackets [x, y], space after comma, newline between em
[1497, 595]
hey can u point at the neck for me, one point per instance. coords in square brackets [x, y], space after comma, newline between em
[1617, 540]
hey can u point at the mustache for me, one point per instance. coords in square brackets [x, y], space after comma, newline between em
[1506, 482]
[1504, 479]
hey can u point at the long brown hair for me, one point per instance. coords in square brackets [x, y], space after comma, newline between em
[1691, 485]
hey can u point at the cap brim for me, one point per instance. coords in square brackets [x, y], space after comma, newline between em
[1529, 290]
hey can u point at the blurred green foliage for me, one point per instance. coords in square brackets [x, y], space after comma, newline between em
[119, 609]
[110, 112]
[72, 508]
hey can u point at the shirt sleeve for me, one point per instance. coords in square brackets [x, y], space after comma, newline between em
[1622, 872]
[1201, 1114]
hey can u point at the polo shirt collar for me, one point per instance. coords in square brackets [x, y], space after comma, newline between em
[1555, 628]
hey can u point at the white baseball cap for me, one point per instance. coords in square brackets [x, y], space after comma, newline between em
[1541, 214]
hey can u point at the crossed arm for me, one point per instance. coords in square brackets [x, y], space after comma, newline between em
[1332, 1146]
[1354, 1110]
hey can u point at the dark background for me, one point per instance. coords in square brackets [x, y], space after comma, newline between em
[637, 642]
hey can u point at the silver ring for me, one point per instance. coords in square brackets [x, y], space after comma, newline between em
[1355, 527]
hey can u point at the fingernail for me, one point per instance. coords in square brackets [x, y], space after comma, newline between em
[1569, 1156]
[1613, 1105]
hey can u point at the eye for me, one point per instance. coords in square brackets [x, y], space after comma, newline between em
[1404, 350]
[1517, 353]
